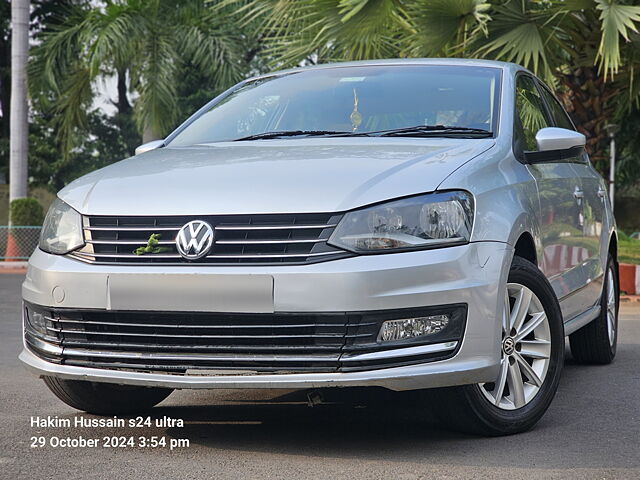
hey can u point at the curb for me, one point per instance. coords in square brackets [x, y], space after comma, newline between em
[629, 275]
[11, 267]
[630, 298]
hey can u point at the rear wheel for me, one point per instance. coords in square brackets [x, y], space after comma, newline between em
[105, 398]
[531, 360]
[596, 342]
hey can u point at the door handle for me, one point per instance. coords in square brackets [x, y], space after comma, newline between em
[602, 193]
[578, 194]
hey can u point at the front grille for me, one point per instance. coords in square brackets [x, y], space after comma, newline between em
[246, 239]
[280, 342]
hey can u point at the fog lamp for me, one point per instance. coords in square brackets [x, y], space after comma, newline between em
[406, 328]
[37, 321]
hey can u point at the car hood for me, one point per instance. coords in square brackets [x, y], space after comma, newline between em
[270, 176]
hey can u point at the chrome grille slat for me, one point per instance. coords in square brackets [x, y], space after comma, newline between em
[72, 352]
[291, 255]
[274, 227]
[127, 255]
[239, 239]
[215, 348]
[200, 335]
[132, 229]
[179, 369]
[127, 242]
[164, 325]
[268, 242]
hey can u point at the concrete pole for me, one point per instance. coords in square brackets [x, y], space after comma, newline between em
[19, 127]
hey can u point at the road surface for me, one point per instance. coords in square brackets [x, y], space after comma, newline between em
[591, 431]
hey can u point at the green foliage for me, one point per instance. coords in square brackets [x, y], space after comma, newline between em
[443, 27]
[149, 40]
[317, 31]
[107, 139]
[617, 21]
[577, 46]
[26, 211]
[172, 57]
[542, 36]
[152, 246]
[628, 152]
[628, 249]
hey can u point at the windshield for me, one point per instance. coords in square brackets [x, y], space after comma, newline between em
[352, 100]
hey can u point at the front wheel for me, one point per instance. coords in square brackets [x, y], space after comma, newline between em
[531, 360]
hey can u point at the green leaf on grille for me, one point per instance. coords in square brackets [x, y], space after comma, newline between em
[151, 246]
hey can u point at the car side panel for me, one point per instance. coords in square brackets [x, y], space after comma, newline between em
[597, 222]
[565, 252]
[588, 250]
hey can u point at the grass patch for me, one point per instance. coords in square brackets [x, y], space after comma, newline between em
[628, 250]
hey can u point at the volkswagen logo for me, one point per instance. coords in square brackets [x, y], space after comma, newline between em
[509, 346]
[195, 239]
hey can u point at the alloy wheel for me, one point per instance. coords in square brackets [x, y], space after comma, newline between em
[611, 307]
[525, 352]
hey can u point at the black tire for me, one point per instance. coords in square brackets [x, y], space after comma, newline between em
[592, 344]
[105, 398]
[467, 409]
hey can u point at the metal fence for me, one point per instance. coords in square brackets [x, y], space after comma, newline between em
[18, 243]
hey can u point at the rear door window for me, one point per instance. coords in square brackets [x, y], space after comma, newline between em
[531, 114]
[560, 117]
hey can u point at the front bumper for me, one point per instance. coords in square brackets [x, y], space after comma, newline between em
[471, 274]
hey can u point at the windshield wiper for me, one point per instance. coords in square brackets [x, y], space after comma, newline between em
[432, 130]
[295, 133]
[416, 131]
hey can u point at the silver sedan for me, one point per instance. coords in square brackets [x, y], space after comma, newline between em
[409, 224]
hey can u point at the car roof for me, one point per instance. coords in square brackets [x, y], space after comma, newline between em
[469, 62]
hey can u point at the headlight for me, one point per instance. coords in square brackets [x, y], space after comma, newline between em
[62, 229]
[424, 221]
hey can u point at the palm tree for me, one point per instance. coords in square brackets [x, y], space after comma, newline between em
[145, 43]
[588, 49]
[576, 46]
[18, 137]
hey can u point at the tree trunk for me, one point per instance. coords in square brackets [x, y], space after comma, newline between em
[123, 105]
[19, 128]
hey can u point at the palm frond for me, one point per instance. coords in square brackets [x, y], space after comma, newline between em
[154, 75]
[295, 30]
[112, 34]
[58, 50]
[617, 21]
[71, 106]
[443, 27]
[523, 32]
[213, 45]
[152, 40]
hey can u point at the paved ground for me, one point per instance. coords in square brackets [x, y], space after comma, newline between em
[591, 431]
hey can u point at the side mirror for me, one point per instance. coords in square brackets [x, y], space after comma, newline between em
[147, 147]
[553, 138]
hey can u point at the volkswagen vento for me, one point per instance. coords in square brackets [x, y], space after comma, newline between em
[413, 224]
